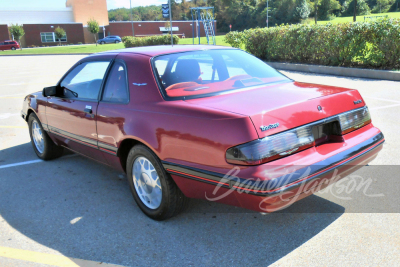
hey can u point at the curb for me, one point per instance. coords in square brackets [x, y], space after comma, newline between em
[81, 54]
[339, 71]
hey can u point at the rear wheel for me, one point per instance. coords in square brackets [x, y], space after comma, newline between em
[42, 144]
[13, 48]
[153, 189]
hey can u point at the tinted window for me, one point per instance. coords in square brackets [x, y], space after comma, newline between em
[205, 73]
[85, 80]
[116, 89]
[6, 43]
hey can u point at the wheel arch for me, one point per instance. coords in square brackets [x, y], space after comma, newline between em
[126, 146]
[28, 113]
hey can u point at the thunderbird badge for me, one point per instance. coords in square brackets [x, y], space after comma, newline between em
[269, 127]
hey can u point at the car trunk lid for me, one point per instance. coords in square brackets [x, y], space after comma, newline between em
[279, 107]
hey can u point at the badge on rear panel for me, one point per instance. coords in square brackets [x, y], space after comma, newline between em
[269, 127]
[359, 101]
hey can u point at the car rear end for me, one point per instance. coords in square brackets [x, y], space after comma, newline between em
[309, 136]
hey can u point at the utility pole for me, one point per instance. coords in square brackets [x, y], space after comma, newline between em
[133, 33]
[267, 14]
[355, 11]
[170, 22]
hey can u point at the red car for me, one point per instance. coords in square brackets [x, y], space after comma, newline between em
[9, 45]
[203, 122]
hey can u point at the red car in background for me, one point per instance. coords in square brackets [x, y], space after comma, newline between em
[9, 45]
[203, 122]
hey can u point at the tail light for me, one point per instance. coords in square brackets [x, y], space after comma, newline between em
[352, 120]
[295, 140]
[271, 147]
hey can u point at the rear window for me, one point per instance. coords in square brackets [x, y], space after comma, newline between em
[206, 73]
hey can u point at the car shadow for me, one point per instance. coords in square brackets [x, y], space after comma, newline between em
[85, 210]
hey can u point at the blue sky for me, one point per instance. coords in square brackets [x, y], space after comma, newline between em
[37, 4]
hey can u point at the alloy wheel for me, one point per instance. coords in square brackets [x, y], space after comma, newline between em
[147, 183]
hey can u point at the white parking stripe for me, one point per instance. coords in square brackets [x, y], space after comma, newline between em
[382, 99]
[13, 95]
[21, 163]
[30, 162]
[389, 106]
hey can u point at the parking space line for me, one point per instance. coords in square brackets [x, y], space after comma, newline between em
[31, 162]
[49, 259]
[389, 106]
[13, 95]
[15, 127]
[9, 97]
[382, 99]
[20, 163]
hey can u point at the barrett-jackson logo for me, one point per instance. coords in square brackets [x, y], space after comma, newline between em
[269, 127]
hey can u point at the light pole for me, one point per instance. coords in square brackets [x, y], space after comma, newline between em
[267, 14]
[170, 22]
[133, 33]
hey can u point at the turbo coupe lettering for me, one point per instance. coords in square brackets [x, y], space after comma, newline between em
[203, 122]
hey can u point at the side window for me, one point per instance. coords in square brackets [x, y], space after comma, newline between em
[85, 80]
[116, 89]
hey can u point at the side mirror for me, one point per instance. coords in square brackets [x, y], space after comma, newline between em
[50, 91]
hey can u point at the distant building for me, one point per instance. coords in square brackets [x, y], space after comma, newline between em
[39, 24]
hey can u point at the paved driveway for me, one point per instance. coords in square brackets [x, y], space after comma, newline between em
[72, 211]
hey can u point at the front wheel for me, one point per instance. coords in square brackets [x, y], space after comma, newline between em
[153, 189]
[42, 144]
[117, 42]
[102, 43]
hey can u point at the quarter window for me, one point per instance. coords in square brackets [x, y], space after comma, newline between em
[85, 80]
[116, 89]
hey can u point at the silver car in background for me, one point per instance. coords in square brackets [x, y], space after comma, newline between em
[112, 39]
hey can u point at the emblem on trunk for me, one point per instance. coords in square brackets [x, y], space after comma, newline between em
[319, 108]
[357, 101]
[269, 127]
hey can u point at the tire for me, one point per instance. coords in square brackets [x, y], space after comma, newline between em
[13, 48]
[102, 43]
[171, 202]
[44, 148]
[117, 42]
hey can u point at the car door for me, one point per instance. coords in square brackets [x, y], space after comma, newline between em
[113, 110]
[72, 114]
[109, 40]
[2, 47]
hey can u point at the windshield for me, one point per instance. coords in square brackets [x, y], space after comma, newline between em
[206, 73]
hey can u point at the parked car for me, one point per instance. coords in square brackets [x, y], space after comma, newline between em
[203, 122]
[110, 40]
[9, 45]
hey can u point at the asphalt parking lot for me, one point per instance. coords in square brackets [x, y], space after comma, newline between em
[75, 212]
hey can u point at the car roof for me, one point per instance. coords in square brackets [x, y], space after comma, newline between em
[165, 49]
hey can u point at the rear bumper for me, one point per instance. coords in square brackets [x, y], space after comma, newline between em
[268, 195]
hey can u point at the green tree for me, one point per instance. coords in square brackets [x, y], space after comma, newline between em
[302, 10]
[17, 32]
[93, 27]
[327, 8]
[59, 33]
[362, 8]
